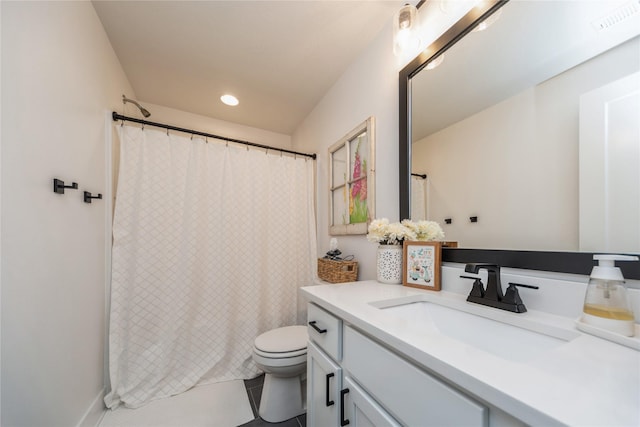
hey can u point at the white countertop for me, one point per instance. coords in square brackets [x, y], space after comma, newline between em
[587, 381]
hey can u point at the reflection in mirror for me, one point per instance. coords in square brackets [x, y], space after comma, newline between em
[498, 128]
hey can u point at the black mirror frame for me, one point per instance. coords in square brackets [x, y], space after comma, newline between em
[560, 262]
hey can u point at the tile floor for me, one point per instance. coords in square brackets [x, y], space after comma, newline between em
[254, 391]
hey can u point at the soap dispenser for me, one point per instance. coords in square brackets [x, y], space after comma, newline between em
[606, 304]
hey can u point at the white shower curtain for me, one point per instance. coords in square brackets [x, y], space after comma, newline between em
[210, 245]
[418, 198]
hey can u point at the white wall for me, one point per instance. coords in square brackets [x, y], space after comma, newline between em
[187, 120]
[368, 88]
[59, 78]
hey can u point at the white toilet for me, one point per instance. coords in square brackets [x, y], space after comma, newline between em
[282, 354]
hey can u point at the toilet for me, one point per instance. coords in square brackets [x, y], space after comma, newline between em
[282, 354]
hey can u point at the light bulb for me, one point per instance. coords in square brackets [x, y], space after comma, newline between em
[229, 100]
[405, 36]
[488, 22]
[433, 64]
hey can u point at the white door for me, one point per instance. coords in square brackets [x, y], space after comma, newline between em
[610, 167]
[324, 378]
[360, 410]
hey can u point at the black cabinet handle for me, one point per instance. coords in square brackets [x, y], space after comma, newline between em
[313, 325]
[329, 402]
[343, 422]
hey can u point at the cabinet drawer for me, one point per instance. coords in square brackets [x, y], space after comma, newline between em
[412, 396]
[325, 330]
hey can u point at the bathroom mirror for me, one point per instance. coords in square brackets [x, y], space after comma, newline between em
[485, 159]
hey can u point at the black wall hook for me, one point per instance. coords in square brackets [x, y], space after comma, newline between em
[88, 196]
[58, 186]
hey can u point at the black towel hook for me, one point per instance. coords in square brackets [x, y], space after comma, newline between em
[58, 186]
[88, 196]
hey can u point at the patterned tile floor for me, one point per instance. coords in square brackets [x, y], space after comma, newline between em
[254, 391]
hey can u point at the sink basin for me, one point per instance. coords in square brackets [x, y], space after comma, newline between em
[504, 340]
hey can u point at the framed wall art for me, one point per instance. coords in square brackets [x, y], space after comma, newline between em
[421, 265]
[351, 181]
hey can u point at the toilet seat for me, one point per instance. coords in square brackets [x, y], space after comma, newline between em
[283, 355]
[288, 339]
[286, 346]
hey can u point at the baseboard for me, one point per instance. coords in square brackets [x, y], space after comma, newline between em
[94, 413]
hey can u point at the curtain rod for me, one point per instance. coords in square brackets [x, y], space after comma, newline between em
[420, 175]
[117, 117]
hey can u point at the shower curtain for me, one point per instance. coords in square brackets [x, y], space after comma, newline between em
[210, 245]
[418, 198]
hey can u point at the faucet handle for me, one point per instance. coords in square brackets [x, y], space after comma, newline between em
[512, 296]
[478, 288]
[523, 285]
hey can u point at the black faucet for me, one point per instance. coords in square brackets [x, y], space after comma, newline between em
[493, 296]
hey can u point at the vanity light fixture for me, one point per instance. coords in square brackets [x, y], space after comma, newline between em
[229, 100]
[488, 22]
[405, 34]
[433, 64]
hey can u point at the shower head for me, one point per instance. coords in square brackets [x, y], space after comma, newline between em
[143, 110]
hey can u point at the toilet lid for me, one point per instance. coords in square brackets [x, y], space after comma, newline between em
[283, 340]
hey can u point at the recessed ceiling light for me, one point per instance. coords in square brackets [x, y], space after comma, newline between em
[229, 100]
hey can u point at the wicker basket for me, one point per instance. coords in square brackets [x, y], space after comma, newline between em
[337, 271]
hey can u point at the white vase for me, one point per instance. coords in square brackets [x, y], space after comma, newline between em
[389, 263]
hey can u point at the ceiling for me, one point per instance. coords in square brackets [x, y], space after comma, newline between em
[278, 57]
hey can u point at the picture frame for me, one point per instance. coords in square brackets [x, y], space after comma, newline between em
[351, 181]
[421, 262]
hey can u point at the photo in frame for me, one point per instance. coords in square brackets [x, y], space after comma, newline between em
[421, 263]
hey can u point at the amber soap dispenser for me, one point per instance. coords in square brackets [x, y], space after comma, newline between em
[606, 304]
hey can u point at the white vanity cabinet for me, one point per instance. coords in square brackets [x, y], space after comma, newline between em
[361, 410]
[412, 396]
[324, 374]
[324, 382]
[354, 380]
[332, 398]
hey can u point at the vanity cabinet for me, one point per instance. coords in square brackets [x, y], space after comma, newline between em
[356, 381]
[414, 397]
[361, 410]
[324, 374]
[324, 382]
[334, 399]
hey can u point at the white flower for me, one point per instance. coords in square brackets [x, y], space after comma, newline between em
[381, 231]
[378, 230]
[425, 230]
